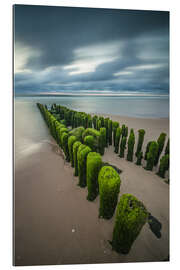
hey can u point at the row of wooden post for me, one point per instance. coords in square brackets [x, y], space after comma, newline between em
[99, 179]
[112, 133]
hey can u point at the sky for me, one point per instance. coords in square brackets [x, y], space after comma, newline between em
[61, 50]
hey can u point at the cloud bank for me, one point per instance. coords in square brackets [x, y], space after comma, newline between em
[61, 50]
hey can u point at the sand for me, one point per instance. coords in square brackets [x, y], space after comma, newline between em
[55, 224]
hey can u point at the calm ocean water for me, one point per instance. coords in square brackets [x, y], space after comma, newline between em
[32, 134]
[132, 106]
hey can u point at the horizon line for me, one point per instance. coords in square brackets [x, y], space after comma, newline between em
[93, 94]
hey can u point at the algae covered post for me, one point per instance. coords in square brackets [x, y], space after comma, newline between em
[83, 151]
[94, 163]
[131, 215]
[75, 150]
[131, 142]
[141, 133]
[109, 187]
[151, 155]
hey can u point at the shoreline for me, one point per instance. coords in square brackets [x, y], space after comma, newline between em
[129, 117]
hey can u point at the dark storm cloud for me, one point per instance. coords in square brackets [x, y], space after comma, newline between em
[57, 43]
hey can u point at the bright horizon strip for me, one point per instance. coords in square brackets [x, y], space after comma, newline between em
[98, 94]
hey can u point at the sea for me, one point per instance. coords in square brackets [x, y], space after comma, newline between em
[31, 133]
[132, 106]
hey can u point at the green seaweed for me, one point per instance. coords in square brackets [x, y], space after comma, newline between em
[109, 187]
[94, 163]
[131, 215]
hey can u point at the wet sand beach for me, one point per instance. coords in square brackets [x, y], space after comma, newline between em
[54, 223]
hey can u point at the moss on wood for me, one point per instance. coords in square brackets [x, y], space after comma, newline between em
[94, 163]
[131, 215]
[109, 187]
